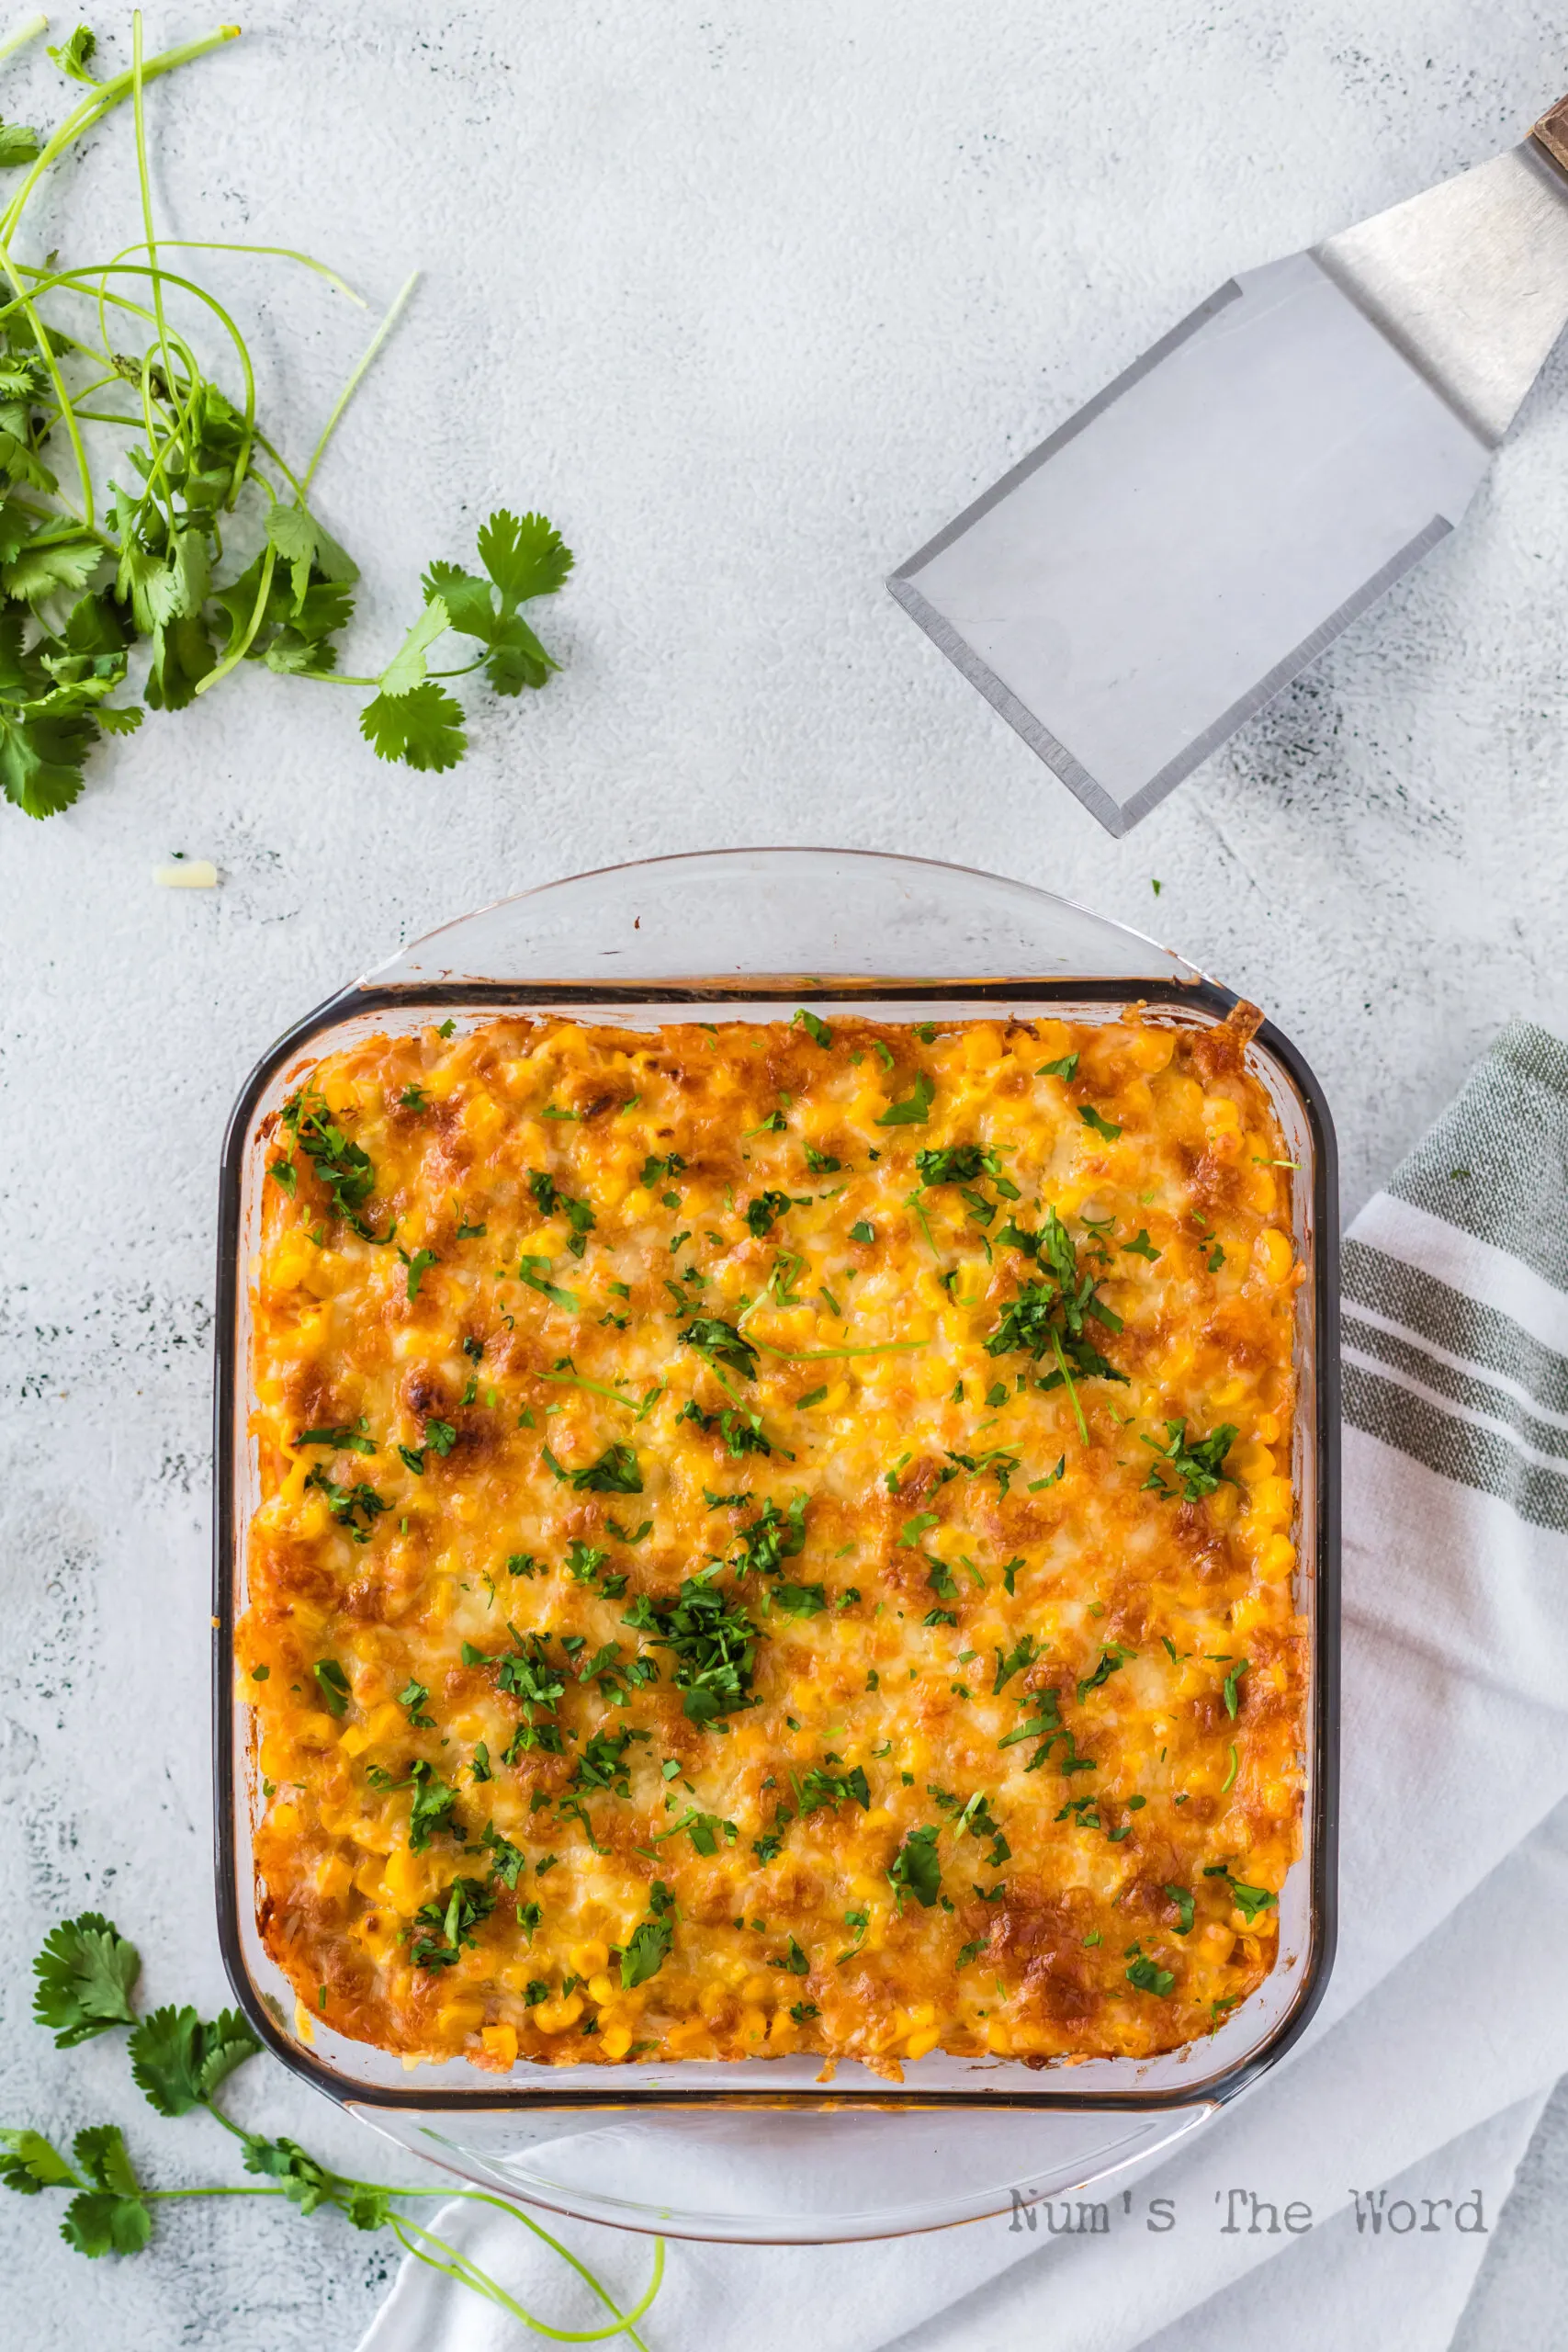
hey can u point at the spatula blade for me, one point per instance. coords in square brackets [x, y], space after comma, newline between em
[1177, 551]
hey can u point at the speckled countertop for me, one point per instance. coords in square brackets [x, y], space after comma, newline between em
[751, 301]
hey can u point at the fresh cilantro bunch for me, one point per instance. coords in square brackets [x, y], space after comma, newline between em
[145, 567]
[86, 1973]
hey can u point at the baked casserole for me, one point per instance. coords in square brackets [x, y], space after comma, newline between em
[775, 1537]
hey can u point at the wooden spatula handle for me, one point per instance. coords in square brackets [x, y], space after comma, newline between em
[1551, 132]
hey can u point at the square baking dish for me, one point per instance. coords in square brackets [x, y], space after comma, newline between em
[759, 2148]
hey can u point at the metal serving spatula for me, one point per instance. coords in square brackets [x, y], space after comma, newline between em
[1179, 550]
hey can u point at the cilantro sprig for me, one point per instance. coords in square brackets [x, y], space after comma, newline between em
[1049, 1313]
[179, 2061]
[1196, 1467]
[147, 516]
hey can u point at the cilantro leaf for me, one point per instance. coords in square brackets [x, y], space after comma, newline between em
[1251, 1900]
[305, 546]
[533, 1272]
[525, 559]
[304, 2182]
[111, 2216]
[1196, 1468]
[74, 55]
[41, 758]
[916, 1870]
[178, 2061]
[334, 1684]
[28, 2163]
[18, 144]
[84, 1973]
[1148, 1977]
[614, 1472]
[915, 1108]
[652, 1939]
[423, 728]
[721, 1343]
[40, 569]
[408, 667]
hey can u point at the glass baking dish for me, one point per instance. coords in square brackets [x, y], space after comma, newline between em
[760, 2151]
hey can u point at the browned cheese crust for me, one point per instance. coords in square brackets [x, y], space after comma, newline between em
[776, 1538]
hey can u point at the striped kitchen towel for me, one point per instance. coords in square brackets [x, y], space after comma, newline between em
[1455, 1362]
[1444, 2022]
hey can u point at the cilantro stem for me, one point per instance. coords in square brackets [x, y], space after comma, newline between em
[137, 88]
[458, 2266]
[356, 376]
[166, 2195]
[44, 281]
[575, 1379]
[1071, 1384]
[914, 1201]
[242, 645]
[278, 253]
[29, 29]
[103, 100]
[832, 1356]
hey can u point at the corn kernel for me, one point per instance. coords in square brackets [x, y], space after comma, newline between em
[1273, 1254]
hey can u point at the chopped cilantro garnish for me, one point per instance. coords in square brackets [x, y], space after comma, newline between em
[615, 1473]
[446, 1924]
[819, 1788]
[800, 1599]
[651, 1940]
[916, 1870]
[551, 1200]
[358, 1507]
[342, 1438]
[713, 1644]
[764, 1212]
[338, 1162]
[1196, 1468]
[413, 1696]
[721, 1343]
[535, 1272]
[333, 1685]
[914, 1109]
[1233, 1687]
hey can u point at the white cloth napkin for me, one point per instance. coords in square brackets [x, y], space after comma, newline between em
[1445, 2024]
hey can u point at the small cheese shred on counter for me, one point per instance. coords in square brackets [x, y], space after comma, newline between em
[775, 1537]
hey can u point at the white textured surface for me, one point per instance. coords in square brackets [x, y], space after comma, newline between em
[751, 301]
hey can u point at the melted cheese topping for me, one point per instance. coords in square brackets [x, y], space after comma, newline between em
[707, 1600]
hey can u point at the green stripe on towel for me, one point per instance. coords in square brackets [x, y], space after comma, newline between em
[1455, 1449]
[1507, 1133]
[1450, 1318]
[1456, 1384]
